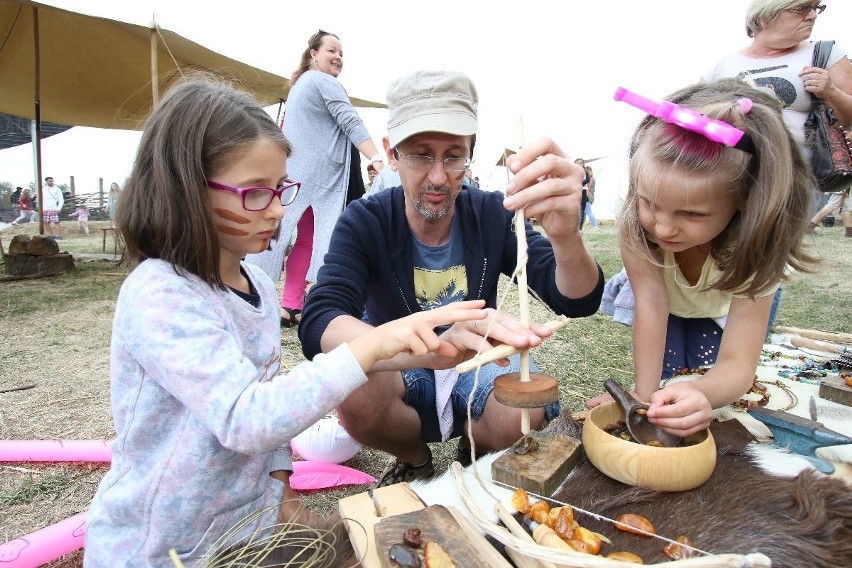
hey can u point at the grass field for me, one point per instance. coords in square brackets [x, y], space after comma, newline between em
[56, 334]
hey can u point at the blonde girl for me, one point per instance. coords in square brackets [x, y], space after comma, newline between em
[707, 233]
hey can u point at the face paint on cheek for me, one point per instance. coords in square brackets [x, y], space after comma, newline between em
[233, 231]
[229, 215]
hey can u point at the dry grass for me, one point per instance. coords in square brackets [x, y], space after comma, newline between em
[56, 334]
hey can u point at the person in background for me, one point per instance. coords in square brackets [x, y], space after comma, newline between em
[322, 125]
[834, 205]
[112, 202]
[387, 178]
[25, 206]
[203, 413]
[82, 215]
[590, 199]
[54, 200]
[434, 241]
[707, 233]
[371, 176]
[588, 181]
[780, 58]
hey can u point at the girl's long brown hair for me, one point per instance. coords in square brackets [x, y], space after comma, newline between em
[197, 128]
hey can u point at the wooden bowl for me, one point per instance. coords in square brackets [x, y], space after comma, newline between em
[663, 469]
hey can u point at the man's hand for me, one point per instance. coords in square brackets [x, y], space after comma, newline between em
[499, 328]
[548, 186]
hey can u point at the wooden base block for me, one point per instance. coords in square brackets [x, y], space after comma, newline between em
[836, 390]
[362, 512]
[542, 470]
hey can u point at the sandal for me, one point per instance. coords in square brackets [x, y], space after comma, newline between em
[292, 318]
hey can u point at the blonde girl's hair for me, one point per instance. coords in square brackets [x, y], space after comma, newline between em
[772, 185]
[314, 43]
[199, 126]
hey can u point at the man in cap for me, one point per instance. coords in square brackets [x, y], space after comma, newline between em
[433, 241]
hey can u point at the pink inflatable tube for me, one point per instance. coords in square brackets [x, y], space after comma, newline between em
[55, 450]
[308, 475]
[44, 545]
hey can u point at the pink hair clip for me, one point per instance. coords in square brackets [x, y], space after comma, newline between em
[715, 130]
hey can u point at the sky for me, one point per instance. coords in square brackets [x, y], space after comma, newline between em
[541, 68]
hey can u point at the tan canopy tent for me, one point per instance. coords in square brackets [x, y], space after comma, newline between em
[84, 70]
[78, 70]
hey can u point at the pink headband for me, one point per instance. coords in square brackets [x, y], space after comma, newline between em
[688, 119]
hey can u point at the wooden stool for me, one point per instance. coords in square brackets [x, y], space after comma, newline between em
[103, 242]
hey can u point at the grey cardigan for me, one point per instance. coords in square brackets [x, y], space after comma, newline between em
[320, 123]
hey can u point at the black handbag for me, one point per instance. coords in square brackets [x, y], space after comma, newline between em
[831, 150]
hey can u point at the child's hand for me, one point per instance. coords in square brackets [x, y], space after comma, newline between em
[415, 334]
[680, 409]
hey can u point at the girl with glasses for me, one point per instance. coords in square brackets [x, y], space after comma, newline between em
[203, 412]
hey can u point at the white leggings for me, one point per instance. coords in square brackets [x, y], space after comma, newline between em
[31, 213]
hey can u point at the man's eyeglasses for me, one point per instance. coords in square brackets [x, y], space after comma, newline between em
[806, 9]
[426, 163]
[259, 198]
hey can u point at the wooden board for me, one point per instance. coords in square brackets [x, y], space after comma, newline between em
[836, 390]
[436, 524]
[541, 471]
[363, 511]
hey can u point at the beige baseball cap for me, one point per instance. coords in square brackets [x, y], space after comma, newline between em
[431, 101]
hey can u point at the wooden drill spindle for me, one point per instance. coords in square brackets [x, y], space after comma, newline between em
[524, 303]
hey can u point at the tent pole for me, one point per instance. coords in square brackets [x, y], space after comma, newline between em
[37, 123]
[155, 95]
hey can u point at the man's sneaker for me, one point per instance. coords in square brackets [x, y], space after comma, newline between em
[398, 471]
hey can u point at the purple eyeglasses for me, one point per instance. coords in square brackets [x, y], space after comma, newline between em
[259, 198]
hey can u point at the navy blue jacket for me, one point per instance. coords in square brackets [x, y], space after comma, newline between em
[369, 265]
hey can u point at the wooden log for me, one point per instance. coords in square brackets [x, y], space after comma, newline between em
[798, 341]
[816, 334]
[33, 265]
[836, 390]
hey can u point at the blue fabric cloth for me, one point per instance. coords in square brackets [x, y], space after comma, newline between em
[617, 300]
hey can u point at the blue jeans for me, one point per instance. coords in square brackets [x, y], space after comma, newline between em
[420, 394]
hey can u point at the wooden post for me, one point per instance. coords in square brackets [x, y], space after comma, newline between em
[524, 302]
[155, 84]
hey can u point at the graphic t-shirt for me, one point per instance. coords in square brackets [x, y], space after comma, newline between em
[440, 276]
[781, 76]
